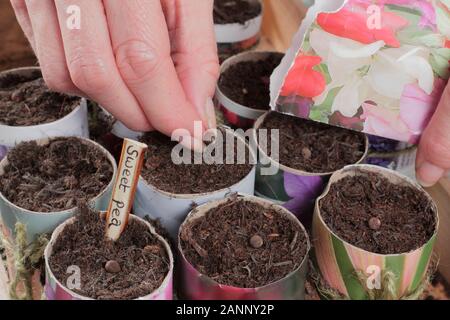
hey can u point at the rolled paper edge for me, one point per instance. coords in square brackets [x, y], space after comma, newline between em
[339, 262]
[54, 290]
[196, 285]
[38, 223]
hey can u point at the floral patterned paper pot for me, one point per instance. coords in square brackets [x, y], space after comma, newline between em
[235, 113]
[171, 208]
[357, 273]
[73, 124]
[233, 38]
[292, 188]
[196, 285]
[375, 66]
[55, 290]
[38, 223]
[391, 154]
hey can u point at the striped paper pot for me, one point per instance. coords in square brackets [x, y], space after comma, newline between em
[233, 38]
[197, 286]
[55, 290]
[236, 114]
[294, 189]
[340, 262]
[171, 209]
[41, 223]
[73, 124]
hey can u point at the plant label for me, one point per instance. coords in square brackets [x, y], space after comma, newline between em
[130, 166]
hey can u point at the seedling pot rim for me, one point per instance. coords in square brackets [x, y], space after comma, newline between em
[37, 126]
[201, 210]
[386, 173]
[45, 141]
[228, 103]
[188, 196]
[297, 172]
[236, 32]
[60, 229]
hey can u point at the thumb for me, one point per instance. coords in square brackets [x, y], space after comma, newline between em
[433, 157]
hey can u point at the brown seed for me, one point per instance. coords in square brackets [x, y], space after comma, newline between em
[112, 266]
[306, 152]
[374, 223]
[256, 241]
[153, 249]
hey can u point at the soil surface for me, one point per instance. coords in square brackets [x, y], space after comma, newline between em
[235, 11]
[15, 50]
[243, 244]
[376, 215]
[160, 171]
[132, 267]
[27, 102]
[248, 82]
[55, 176]
[314, 147]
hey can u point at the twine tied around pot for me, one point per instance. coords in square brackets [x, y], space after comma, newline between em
[388, 287]
[27, 258]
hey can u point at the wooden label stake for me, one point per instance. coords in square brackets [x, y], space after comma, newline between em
[130, 166]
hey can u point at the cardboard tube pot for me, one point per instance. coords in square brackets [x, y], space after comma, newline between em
[235, 113]
[294, 189]
[39, 223]
[55, 290]
[233, 38]
[73, 124]
[171, 209]
[197, 286]
[339, 261]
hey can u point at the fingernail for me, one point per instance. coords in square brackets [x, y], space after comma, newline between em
[210, 112]
[428, 174]
[192, 143]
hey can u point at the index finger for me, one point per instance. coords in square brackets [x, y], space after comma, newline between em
[142, 50]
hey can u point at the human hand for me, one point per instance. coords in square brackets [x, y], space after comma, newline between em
[433, 157]
[152, 64]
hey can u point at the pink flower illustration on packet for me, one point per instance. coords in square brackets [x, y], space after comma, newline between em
[387, 79]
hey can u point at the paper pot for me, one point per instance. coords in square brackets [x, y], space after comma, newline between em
[39, 223]
[55, 290]
[171, 209]
[377, 66]
[391, 154]
[197, 286]
[339, 261]
[233, 38]
[73, 124]
[237, 114]
[294, 189]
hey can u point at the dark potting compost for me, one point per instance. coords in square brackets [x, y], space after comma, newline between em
[132, 267]
[25, 102]
[244, 244]
[235, 11]
[160, 171]
[248, 82]
[371, 213]
[313, 147]
[54, 177]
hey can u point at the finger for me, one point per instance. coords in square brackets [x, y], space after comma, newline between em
[195, 54]
[91, 63]
[433, 159]
[23, 18]
[48, 46]
[141, 45]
